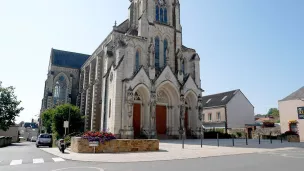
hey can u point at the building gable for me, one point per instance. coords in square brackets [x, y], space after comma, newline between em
[191, 85]
[140, 78]
[167, 75]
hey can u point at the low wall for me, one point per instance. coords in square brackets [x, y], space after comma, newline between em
[293, 138]
[80, 145]
[5, 141]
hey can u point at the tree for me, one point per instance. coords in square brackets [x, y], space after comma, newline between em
[9, 107]
[47, 119]
[53, 119]
[274, 112]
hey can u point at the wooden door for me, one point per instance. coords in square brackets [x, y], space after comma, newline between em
[136, 120]
[161, 119]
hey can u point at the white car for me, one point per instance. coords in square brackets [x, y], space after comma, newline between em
[34, 139]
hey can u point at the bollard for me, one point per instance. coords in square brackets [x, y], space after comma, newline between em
[183, 137]
[270, 138]
[217, 136]
[201, 140]
[233, 141]
[246, 139]
[259, 139]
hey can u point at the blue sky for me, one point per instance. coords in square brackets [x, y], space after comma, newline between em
[254, 45]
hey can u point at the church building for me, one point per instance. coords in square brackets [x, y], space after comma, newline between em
[140, 82]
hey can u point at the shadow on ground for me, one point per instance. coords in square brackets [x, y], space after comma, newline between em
[251, 143]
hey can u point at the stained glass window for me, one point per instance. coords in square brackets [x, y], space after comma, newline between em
[137, 60]
[165, 16]
[157, 53]
[165, 51]
[60, 90]
[157, 13]
[161, 15]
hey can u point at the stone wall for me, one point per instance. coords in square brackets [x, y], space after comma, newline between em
[5, 141]
[80, 145]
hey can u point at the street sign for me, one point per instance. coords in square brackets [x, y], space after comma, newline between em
[300, 112]
[66, 124]
[94, 143]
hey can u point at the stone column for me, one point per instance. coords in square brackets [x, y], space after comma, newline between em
[152, 126]
[96, 98]
[182, 115]
[200, 114]
[89, 99]
[130, 103]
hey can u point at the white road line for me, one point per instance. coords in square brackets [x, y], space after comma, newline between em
[38, 161]
[58, 159]
[16, 162]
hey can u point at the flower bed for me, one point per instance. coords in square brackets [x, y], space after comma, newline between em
[101, 137]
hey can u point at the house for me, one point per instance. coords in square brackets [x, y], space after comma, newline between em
[292, 113]
[227, 110]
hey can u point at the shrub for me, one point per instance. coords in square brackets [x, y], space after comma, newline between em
[213, 135]
[268, 124]
[98, 136]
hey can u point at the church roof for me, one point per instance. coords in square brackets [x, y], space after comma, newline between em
[299, 94]
[68, 59]
[219, 99]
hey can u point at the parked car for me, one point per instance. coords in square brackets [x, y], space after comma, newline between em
[34, 139]
[44, 140]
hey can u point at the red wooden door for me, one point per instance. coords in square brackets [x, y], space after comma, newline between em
[161, 119]
[136, 119]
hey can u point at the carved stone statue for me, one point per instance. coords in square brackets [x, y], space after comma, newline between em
[151, 51]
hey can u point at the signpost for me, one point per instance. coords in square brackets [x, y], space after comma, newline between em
[300, 112]
[65, 125]
[94, 144]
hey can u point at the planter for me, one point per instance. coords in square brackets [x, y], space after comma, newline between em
[293, 138]
[80, 145]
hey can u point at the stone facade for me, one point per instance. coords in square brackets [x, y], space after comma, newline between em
[80, 145]
[141, 79]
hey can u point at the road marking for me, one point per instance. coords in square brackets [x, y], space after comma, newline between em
[58, 159]
[16, 162]
[38, 161]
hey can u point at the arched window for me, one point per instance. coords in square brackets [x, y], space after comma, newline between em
[161, 15]
[165, 16]
[60, 90]
[165, 51]
[183, 66]
[157, 53]
[157, 13]
[137, 56]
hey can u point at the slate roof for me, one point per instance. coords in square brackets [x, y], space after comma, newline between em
[68, 59]
[299, 94]
[218, 99]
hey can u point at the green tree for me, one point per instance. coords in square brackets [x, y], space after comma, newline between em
[9, 107]
[47, 119]
[53, 119]
[274, 112]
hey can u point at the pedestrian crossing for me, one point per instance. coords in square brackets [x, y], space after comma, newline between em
[31, 161]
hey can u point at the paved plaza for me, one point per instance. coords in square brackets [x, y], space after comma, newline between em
[172, 150]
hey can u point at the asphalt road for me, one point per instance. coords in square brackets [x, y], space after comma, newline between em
[27, 152]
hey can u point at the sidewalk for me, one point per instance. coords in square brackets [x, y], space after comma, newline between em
[170, 150]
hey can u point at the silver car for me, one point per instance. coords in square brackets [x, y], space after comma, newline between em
[44, 140]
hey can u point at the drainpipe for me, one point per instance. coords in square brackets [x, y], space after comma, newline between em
[226, 124]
